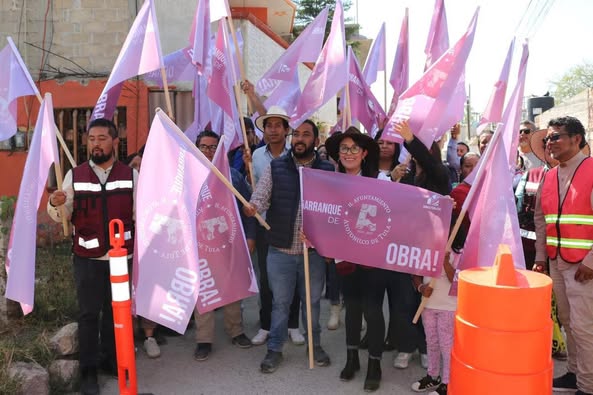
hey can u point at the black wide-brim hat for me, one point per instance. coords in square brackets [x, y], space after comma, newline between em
[364, 141]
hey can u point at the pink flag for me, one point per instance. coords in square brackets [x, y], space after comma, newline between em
[286, 95]
[433, 103]
[226, 271]
[376, 58]
[330, 73]
[364, 107]
[219, 9]
[140, 54]
[178, 68]
[493, 111]
[20, 261]
[15, 82]
[167, 279]
[199, 38]
[438, 36]
[400, 79]
[493, 212]
[365, 221]
[512, 112]
[219, 90]
[304, 49]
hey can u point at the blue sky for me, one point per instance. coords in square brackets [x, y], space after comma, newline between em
[558, 40]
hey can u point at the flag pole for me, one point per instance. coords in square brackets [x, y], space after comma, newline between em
[58, 170]
[167, 97]
[308, 305]
[468, 199]
[213, 169]
[237, 92]
[229, 20]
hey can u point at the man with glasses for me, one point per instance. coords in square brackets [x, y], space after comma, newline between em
[564, 235]
[278, 194]
[530, 161]
[207, 142]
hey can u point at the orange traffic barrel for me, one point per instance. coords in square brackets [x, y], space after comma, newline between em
[503, 331]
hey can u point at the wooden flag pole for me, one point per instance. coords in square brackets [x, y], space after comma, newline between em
[308, 304]
[167, 96]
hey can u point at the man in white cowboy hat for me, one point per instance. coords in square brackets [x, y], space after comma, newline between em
[564, 235]
[275, 128]
[278, 194]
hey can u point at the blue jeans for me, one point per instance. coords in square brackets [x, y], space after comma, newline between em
[284, 272]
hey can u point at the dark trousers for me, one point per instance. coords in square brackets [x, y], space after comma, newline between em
[265, 293]
[403, 303]
[363, 293]
[332, 284]
[95, 321]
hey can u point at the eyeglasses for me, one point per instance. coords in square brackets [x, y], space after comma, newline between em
[355, 149]
[525, 131]
[204, 147]
[554, 137]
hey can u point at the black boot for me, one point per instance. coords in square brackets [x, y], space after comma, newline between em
[352, 365]
[373, 379]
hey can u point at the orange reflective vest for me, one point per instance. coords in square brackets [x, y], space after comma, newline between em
[569, 224]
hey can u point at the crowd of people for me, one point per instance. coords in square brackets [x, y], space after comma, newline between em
[554, 194]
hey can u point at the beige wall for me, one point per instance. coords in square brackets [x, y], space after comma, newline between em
[579, 106]
[88, 32]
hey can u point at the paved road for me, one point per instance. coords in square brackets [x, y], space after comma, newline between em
[231, 370]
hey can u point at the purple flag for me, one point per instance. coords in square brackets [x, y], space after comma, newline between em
[512, 112]
[493, 212]
[304, 49]
[219, 85]
[493, 111]
[226, 271]
[400, 79]
[363, 105]
[376, 58]
[433, 103]
[178, 68]
[365, 221]
[167, 284]
[329, 75]
[15, 82]
[438, 36]
[140, 54]
[20, 261]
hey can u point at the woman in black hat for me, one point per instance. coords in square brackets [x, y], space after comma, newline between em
[363, 287]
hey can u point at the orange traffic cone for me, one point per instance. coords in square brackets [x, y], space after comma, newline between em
[122, 312]
[503, 331]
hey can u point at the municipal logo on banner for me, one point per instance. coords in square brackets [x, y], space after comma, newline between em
[375, 223]
[368, 220]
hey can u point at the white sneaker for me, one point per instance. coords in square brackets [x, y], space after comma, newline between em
[424, 361]
[260, 338]
[152, 348]
[402, 360]
[296, 337]
[334, 317]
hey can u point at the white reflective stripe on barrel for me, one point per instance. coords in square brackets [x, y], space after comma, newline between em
[120, 292]
[118, 266]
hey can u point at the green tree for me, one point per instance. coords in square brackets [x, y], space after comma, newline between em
[575, 80]
[308, 9]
